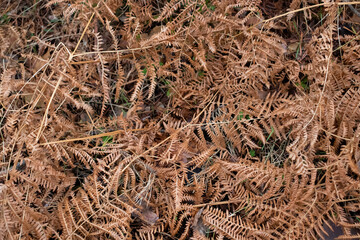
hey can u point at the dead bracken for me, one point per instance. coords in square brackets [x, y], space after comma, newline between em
[179, 119]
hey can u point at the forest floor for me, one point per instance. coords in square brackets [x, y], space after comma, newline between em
[179, 119]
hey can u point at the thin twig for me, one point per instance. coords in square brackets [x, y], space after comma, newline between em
[95, 136]
[81, 37]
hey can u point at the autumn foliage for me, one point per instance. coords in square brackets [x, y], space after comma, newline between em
[180, 119]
